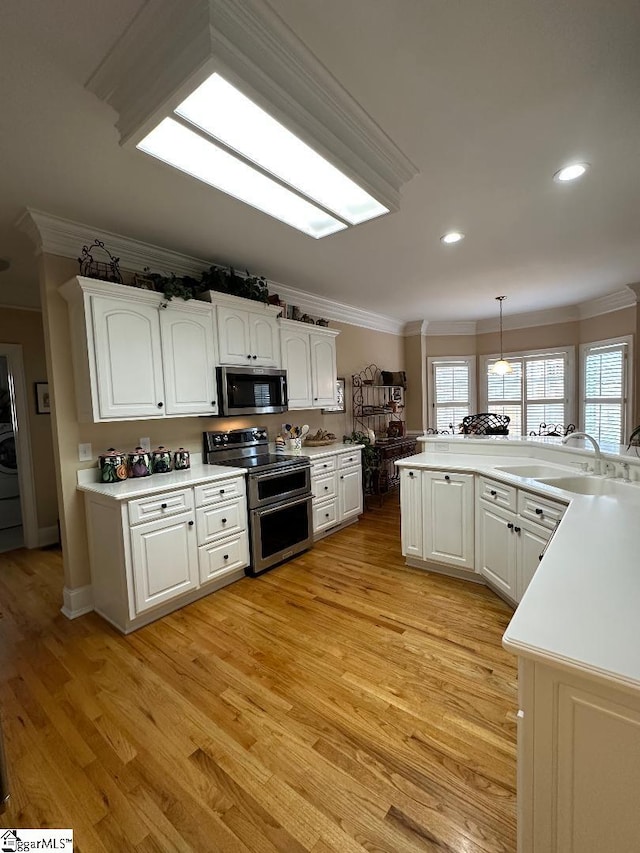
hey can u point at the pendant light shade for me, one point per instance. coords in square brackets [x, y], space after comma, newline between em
[501, 367]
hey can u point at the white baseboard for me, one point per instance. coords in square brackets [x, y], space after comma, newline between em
[47, 536]
[77, 602]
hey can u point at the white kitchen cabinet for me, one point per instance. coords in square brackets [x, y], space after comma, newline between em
[153, 553]
[336, 486]
[411, 516]
[164, 560]
[309, 357]
[448, 518]
[248, 332]
[532, 540]
[188, 359]
[579, 763]
[136, 356]
[497, 548]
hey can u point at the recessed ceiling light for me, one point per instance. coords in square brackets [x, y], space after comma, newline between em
[570, 173]
[452, 237]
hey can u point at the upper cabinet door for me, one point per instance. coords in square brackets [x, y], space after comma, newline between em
[323, 370]
[234, 345]
[128, 358]
[264, 337]
[296, 360]
[188, 355]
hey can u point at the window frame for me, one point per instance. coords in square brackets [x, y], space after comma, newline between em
[471, 362]
[627, 402]
[569, 353]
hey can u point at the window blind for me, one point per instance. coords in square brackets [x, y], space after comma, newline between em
[451, 393]
[605, 382]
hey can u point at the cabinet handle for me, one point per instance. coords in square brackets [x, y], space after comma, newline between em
[350, 459]
[226, 557]
[538, 511]
[254, 357]
[160, 405]
[342, 476]
[325, 466]
[222, 491]
[315, 399]
[191, 524]
[447, 477]
[326, 488]
[540, 556]
[224, 520]
[326, 515]
[411, 474]
[493, 493]
[510, 525]
[163, 506]
[213, 402]
[517, 529]
[248, 356]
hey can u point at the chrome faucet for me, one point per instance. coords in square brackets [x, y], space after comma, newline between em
[597, 464]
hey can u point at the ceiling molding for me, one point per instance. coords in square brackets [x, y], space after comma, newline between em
[170, 48]
[635, 290]
[546, 317]
[415, 327]
[57, 236]
[606, 304]
[453, 327]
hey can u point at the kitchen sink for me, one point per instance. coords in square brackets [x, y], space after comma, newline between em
[591, 485]
[533, 471]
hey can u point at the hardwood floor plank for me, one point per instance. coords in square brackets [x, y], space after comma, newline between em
[342, 702]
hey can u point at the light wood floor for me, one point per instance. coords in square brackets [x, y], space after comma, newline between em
[339, 703]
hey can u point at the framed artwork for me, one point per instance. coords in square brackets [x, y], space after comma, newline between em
[43, 402]
[341, 406]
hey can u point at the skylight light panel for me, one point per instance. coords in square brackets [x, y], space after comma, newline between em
[226, 114]
[185, 150]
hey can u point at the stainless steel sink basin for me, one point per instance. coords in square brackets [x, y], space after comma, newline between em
[591, 485]
[533, 471]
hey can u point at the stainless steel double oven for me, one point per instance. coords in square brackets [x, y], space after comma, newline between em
[278, 494]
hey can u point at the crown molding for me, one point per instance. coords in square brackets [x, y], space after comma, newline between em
[415, 327]
[635, 291]
[56, 236]
[453, 327]
[171, 48]
[4, 306]
[545, 317]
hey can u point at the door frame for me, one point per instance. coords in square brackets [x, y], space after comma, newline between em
[15, 365]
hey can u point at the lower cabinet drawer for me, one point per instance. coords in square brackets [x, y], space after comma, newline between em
[325, 487]
[322, 466]
[346, 460]
[221, 520]
[542, 511]
[220, 558]
[160, 505]
[220, 491]
[498, 494]
[325, 515]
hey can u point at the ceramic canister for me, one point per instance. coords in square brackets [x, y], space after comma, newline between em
[113, 466]
[181, 460]
[139, 463]
[161, 460]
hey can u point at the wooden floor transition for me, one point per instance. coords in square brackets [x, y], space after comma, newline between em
[341, 702]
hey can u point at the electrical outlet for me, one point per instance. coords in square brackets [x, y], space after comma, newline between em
[85, 453]
[145, 443]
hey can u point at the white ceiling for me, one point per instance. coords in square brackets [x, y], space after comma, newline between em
[487, 97]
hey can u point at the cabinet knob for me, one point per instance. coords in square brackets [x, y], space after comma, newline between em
[160, 405]
[163, 506]
[324, 466]
[191, 524]
[213, 402]
[510, 526]
[326, 515]
[540, 556]
[225, 557]
[411, 474]
[517, 529]
[350, 459]
[222, 491]
[248, 356]
[493, 493]
[224, 520]
[538, 511]
[326, 488]
[254, 357]
[342, 476]
[447, 477]
[315, 399]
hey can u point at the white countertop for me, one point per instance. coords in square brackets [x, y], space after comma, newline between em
[137, 487]
[582, 608]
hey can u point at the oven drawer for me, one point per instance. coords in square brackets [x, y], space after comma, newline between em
[542, 511]
[325, 515]
[221, 520]
[159, 506]
[219, 558]
[497, 493]
[324, 487]
[347, 460]
[222, 490]
[323, 466]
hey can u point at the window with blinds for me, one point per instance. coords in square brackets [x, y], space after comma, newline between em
[534, 393]
[452, 392]
[605, 379]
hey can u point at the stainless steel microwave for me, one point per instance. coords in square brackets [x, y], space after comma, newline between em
[251, 391]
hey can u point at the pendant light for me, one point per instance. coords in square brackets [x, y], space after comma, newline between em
[502, 366]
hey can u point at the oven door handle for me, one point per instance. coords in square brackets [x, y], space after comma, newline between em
[283, 505]
[280, 472]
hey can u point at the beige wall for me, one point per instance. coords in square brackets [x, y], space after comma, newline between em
[25, 328]
[356, 348]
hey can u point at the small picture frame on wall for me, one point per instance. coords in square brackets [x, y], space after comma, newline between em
[340, 397]
[43, 401]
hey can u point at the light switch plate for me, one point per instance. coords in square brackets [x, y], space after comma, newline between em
[85, 453]
[145, 443]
